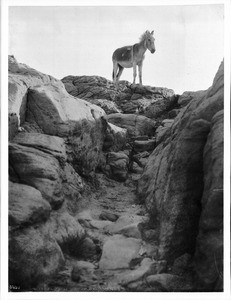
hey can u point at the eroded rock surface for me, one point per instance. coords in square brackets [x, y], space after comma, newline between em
[114, 188]
[172, 183]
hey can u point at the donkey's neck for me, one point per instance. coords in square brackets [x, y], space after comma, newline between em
[142, 48]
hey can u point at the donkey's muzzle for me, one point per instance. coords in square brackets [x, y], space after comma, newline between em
[152, 51]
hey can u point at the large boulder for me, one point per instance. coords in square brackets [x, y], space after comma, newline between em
[26, 205]
[117, 165]
[39, 170]
[115, 139]
[65, 230]
[160, 107]
[173, 180]
[57, 113]
[40, 161]
[22, 77]
[42, 104]
[53, 145]
[33, 257]
[209, 248]
[136, 125]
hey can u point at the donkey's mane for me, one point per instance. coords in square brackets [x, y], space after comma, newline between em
[143, 36]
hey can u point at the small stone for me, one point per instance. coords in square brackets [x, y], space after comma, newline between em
[107, 215]
[83, 271]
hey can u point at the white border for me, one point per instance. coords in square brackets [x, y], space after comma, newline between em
[4, 154]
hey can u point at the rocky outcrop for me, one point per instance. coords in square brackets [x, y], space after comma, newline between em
[43, 105]
[113, 188]
[209, 246]
[173, 184]
[127, 98]
[53, 138]
[96, 87]
[136, 125]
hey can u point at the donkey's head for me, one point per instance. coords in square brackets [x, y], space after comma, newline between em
[149, 41]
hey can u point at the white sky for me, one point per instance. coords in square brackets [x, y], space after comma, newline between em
[80, 40]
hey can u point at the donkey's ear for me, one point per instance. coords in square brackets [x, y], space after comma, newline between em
[152, 32]
[147, 31]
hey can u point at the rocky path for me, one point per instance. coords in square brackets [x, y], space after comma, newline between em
[117, 252]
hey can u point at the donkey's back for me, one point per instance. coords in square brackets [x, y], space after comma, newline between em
[122, 54]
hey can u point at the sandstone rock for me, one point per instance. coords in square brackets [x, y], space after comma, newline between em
[135, 168]
[118, 163]
[98, 224]
[181, 264]
[209, 249]
[96, 87]
[142, 157]
[137, 274]
[13, 125]
[53, 145]
[108, 106]
[115, 139]
[87, 249]
[84, 215]
[169, 283]
[26, 205]
[66, 111]
[33, 257]
[141, 146]
[174, 112]
[167, 122]
[39, 170]
[151, 234]
[160, 107]
[186, 97]
[83, 271]
[72, 187]
[21, 78]
[73, 118]
[39, 160]
[118, 251]
[162, 133]
[136, 125]
[66, 230]
[172, 182]
[127, 225]
[42, 103]
[110, 216]
[90, 87]
[135, 106]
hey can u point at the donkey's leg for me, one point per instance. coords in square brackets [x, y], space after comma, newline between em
[140, 66]
[134, 73]
[120, 72]
[115, 69]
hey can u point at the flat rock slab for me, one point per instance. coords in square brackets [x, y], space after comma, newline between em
[118, 251]
[126, 225]
[53, 145]
[137, 274]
